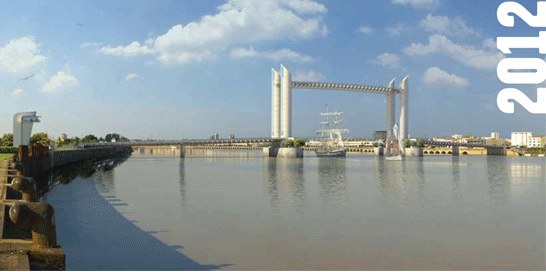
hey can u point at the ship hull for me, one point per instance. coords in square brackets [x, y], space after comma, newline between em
[331, 153]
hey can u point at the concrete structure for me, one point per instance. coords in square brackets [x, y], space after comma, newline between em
[495, 135]
[275, 104]
[286, 85]
[22, 127]
[494, 150]
[286, 103]
[520, 138]
[535, 141]
[290, 152]
[413, 152]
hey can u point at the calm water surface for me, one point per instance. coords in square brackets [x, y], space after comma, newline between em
[247, 212]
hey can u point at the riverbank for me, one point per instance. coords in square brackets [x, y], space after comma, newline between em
[29, 242]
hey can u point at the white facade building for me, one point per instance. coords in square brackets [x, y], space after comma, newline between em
[535, 141]
[495, 135]
[520, 138]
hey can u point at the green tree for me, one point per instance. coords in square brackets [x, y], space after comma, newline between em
[288, 143]
[90, 138]
[6, 140]
[110, 136]
[40, 138]
[299, 142]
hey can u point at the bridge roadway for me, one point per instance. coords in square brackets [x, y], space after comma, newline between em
[274, 142]
[442, 143]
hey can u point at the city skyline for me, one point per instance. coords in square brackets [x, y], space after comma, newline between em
[170, 69]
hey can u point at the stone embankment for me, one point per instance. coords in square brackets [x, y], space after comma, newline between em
[27, 227]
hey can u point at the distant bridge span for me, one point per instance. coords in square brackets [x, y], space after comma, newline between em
[274, 142]
[442, 143]
[495, 150]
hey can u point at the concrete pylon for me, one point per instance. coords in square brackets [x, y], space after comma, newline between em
[286, 103]
[390, 110]
[275, 104]
[404, 108]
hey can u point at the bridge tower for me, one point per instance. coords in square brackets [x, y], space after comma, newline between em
[275, 104]
[286, 103]
[404, 108]
[281, 101]
[390, 110]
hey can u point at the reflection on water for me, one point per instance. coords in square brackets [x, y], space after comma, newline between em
[270, 174]
[182, 181]
[256, 213]
[85, 169]
[290, 183]
[399, 181]
[332, 181]
[498, 177]
[456, 173]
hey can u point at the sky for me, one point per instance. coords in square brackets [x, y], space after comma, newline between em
[190, 69]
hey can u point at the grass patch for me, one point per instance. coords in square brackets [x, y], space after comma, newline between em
[5, 156]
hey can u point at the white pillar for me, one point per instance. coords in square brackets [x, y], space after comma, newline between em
[275, 104]
[286, 103]
[404, 108]
[390, 110]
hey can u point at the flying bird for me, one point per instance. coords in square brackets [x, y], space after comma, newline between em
[26, 78]
[79, 24]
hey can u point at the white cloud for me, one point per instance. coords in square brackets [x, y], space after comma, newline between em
[305, 6]
[448, 26]
[310, 76]
[59, 82]
[464, 54]
[131, 76]
[131, 50]
[237, 23]
[242, 52]
[277, 55]
[397, 29]
[90, 44]
[287, 54]
[388, 60]
[17, 92]
[19, 55]
[437, 77]
[366, 30]
[420, 4]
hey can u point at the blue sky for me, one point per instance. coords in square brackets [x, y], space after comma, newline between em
[189, 69]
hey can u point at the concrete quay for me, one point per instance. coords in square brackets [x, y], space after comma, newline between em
[27, 227]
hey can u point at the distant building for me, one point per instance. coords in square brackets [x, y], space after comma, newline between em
[495, 135]
[380, 135]
[457, 136]
[520, 138]
[493, 141]
[63, 137]
[536, 141]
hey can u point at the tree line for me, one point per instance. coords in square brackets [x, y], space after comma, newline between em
[42, 138]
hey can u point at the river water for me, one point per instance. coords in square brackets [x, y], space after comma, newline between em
[239, 211]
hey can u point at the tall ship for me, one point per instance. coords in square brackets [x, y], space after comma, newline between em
[331, 141]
